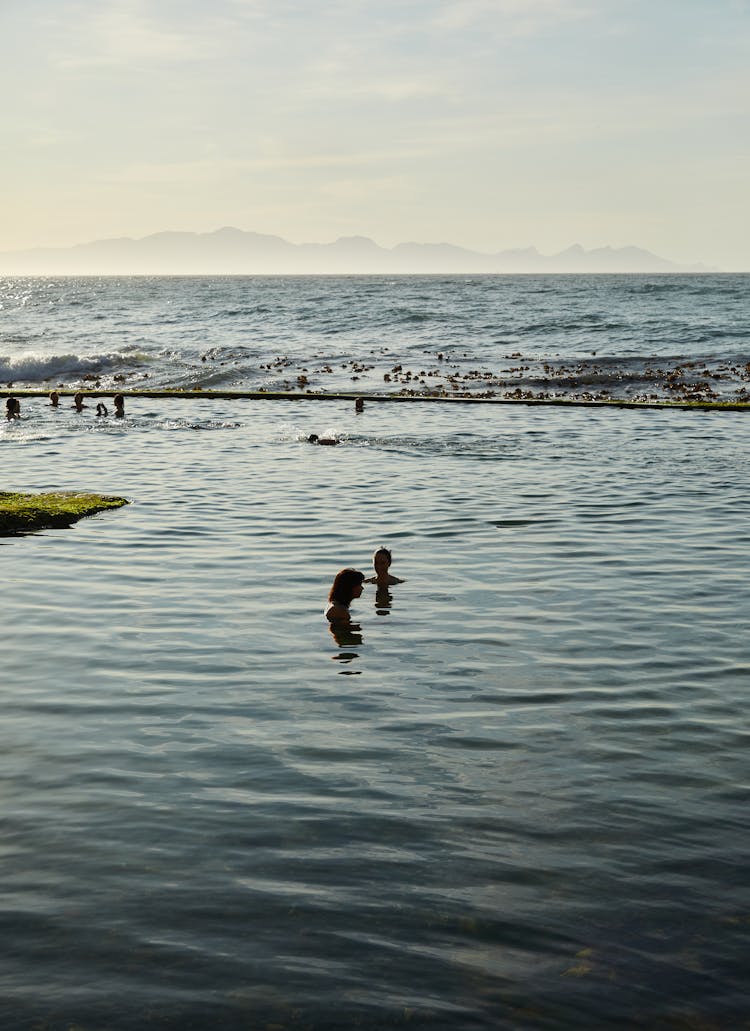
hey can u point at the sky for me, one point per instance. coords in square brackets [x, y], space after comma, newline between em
[485, 123]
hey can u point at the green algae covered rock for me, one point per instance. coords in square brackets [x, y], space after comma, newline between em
[22, 513]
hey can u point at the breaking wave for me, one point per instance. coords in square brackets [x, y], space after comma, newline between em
[33, 367]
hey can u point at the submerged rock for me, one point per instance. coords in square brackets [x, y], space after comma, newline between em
[22, 513]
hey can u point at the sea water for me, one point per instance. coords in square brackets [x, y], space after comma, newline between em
[515, 797]
[366, 334]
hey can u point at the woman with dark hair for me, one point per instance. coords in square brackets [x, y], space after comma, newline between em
[346, 587]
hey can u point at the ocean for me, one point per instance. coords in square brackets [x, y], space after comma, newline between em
[629, 336]
[515, 796]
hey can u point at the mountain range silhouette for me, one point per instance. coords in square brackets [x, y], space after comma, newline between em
[230, 251]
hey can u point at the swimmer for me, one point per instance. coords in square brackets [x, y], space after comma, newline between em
[315, 439]
[54, 399]
[78, 403]
[12, 408]
[359, 404]
[346, 587]
[119, 401]
[101, 409]
[381, 562]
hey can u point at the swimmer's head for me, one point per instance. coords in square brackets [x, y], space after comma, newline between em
[54, 398]
[359, 404]
[381, 560]
[313, 438]
[347, 586]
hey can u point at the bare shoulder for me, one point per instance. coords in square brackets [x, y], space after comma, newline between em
[337, 613]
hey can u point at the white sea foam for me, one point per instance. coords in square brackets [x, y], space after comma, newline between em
[34, 366]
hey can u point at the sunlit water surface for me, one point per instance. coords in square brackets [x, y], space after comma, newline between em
[516, 799]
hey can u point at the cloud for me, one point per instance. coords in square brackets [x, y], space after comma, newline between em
[121, 33]
[332, 80]
[514, 17]
[218, 170]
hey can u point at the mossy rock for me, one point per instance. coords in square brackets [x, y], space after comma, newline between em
[23, 513]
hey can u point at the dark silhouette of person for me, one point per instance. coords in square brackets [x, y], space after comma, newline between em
[347, 586]
[381, 562]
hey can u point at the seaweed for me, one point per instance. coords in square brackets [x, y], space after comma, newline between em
[24, 513]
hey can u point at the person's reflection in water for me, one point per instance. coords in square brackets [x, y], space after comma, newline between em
[383, 600]
[346, 635]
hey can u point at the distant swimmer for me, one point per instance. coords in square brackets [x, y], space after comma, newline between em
[359, 404]
[12, 408]
[347, 586]
[381, 562]
[329, 441]
[78, 403]
[54, 398]
[119, 402]
[101, 409]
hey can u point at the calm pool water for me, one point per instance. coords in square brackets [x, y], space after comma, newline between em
[516, 798]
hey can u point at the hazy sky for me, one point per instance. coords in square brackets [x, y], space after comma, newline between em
[486, 123]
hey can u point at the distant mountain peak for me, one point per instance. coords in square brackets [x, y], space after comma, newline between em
[362, 242]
